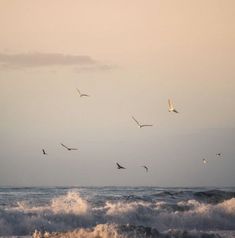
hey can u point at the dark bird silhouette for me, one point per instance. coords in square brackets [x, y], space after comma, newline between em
[82, 94]
[140, 125]
[144, 166]
[68, 148]
[44, 152]
[119, 166]
[171, 107]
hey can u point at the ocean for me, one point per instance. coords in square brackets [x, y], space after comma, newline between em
[119, 212]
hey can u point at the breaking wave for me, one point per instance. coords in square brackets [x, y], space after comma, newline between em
[71, 212]
[214, 196]
[71, 203]
[125, 231]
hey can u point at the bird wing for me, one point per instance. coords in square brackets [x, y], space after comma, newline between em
[64, 146]
[144, 166]
[85, 95]
[175, 111]
[119, 166]
[170, 105]
[73, 148]
[78, 91]
[146, 125]
[44, 152]
[136, 121]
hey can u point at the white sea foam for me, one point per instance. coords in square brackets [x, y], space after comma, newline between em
[100, 231]
[71, 203]
[122, 208]
[200, 216]
[71, 211]
[130, 231]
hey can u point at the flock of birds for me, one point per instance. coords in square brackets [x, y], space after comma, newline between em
[218, 155]
[171, 108]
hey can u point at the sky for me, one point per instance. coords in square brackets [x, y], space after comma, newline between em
[130, 57]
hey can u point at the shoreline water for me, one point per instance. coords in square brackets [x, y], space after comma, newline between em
[119, 211]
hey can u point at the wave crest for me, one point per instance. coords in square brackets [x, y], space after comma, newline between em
[214, 196]
[71, 211]
[122, 208]
[71, 203]
[125, 231]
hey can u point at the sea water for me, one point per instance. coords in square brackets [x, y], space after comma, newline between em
[118, 212]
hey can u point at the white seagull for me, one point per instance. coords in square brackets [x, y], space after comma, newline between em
[171, 107]
[204, 161]
[68, 148]
[219, 155]
[82, 94]
[140, 125]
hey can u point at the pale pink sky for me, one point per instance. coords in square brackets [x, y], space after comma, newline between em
[131, 56]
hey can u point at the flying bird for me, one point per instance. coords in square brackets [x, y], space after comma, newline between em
[171, 107]
[140, 125]
[68, 148]
[44, 152]
[119, 166]
[144, 166]
[219, 155]
[82, 94]
[204, 161]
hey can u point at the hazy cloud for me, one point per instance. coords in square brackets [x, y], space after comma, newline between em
[44, 59]
[94, 68]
